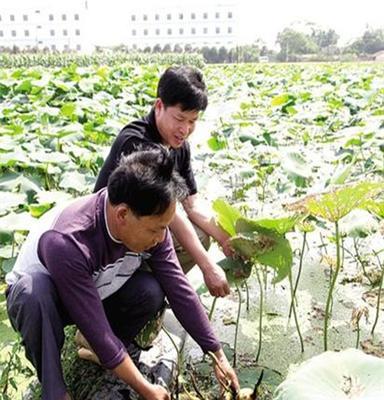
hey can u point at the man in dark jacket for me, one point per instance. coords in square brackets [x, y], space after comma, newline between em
[181, 96]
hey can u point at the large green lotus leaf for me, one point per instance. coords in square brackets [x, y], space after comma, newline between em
[334, 205]
[376, 207]
[236, 270]
[74, 180]
[12, 181]
[349, 374]
[52, 197]
[296, 165]
[17, 222]
[10, 200]
[53, 157]
[279, 225]
[226, 216]
[268, 248]
[358, 223]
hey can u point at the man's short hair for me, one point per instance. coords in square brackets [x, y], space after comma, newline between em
[146, 182]
[183, 86]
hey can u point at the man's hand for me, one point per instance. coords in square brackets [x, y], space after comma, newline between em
[216, 281]
[156, 392]
[224, 372]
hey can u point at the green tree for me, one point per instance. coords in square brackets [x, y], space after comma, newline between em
[325, 39]
[294, 43]
[371, 42]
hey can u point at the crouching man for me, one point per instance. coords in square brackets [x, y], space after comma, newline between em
[80, 266]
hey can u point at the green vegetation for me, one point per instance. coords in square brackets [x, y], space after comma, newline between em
[291, 150]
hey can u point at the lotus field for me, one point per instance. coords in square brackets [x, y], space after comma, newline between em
[291, 159]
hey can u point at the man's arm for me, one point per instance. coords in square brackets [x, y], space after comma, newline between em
[128, 372]
[187, 307]
[214, 276]
[200, 216]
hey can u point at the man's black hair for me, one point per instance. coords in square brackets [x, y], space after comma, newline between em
[146, 182]
[183, 86]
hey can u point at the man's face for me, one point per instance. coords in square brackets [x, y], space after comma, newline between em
[141, 233]
[174, 124]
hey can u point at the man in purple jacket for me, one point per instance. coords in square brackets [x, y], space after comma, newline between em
[81, 265]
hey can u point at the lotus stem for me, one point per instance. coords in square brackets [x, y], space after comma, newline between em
[358, 333]
[332, 286]
[179, 361]
[294, 313]
[260, 315]
[360, 260]
[212, 308]
[298, 275]
[237, 327]
[378, 295]
[247, 293]
[323, 244]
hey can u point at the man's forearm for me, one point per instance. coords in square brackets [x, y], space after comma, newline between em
[128, 372]
[186, 235]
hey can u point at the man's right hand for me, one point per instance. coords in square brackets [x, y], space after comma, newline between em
[157, 392]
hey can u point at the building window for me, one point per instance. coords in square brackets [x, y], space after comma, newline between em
[51, 17]
[193, 31]
[12, 17]
[133, 17]
[217, 15]
[145, 17]
[53, 47]
[65, 32]
[205, 15]
[1, 33]
[0, 18]
[77, 32]
[181, 31]
[230, 14]
[25, 17]
[78, 47]
[229, 29]
[133, 32]
[157, 17]
[181, 16]
[26, 32]
[52, 32]
[146, 32]
[77, 17]
[169, 31]
[66, 47]
[193, 16]
[205, 30]
[64, 17]
[169, 17]
[217, 30]
[157, 31]
[13, 33]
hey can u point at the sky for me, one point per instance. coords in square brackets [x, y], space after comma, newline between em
[264, 19]
[258, 18]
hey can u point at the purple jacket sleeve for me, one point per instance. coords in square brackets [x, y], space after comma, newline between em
[71, 274]
[181, 296]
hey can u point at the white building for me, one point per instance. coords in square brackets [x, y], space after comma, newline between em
[44, 25]
[204, 24]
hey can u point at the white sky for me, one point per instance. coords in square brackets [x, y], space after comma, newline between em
[258, 18]
[262, 19]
